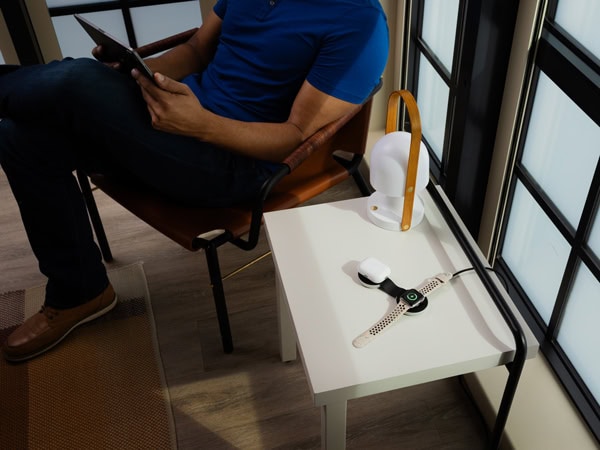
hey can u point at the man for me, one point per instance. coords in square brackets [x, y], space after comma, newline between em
[258, 78]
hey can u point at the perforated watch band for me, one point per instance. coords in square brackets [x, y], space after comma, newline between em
[426, 287]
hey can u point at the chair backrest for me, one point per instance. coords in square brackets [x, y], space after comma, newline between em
[321, 169]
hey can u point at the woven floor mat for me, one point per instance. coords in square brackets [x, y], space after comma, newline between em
[102, 387]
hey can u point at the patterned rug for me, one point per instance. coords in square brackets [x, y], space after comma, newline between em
[101, 388]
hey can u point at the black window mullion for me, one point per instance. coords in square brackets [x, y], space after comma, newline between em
[579, 253]
[576, 239]
[482, 63]
[573, 384]
[105, 6]
[557, 358]
[128, 23]
[449, 80]
[419, 47]
[416, 24]
[548, 207]
[571, 43]
[588, 216]
[551, 8]
[124, 6]
[83, 9]
[434, 61]
[580, 82]
[577, 73]
[524, 305]
[563, 294]
[413, 61]
[590, 208]
[464, 56]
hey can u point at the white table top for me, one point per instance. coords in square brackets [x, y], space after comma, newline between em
[317, 250]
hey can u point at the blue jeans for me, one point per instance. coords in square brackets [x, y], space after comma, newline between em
[78, 113]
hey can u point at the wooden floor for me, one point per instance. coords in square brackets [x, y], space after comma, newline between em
[248, 399]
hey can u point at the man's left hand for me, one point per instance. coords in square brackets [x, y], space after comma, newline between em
[173, 106]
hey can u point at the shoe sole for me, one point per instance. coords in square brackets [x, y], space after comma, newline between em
[58, 341]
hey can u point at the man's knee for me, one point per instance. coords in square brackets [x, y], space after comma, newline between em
[28, 144]
[72, 77]
[55, 90]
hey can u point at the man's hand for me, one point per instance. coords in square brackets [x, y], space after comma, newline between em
[99, 54]
[175, 109]
[173, 106]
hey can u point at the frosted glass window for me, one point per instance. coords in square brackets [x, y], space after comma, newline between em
[73, 39]
[439, 28]
[432, 100]
[152, 23]
[579, 334]
[580, 19]
[535, 252]
[594, 239]
[561, 149]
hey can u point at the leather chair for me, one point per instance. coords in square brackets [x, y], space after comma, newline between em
[308, 171]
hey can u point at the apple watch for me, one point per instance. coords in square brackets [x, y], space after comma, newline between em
[410, 298]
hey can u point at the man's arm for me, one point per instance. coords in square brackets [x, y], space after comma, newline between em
[194, 55]
[175, 109]
[190, 57]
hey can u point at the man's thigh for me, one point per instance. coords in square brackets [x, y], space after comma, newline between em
[103, 116]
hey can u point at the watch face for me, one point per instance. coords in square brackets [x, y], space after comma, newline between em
[412, 297]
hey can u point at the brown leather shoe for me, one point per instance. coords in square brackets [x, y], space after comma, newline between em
[47, 328]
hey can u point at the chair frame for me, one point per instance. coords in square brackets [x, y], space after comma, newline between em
[210, 242]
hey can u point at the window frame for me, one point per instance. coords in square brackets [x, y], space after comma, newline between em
[475, 96]
[21, 32]
[124, 6]
[575, 71]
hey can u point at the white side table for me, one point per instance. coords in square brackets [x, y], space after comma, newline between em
[323, 306]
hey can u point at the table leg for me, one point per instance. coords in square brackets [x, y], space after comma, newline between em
[287, 336]
[333, 426]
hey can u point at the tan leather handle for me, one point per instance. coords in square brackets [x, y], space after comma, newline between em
[415, 144]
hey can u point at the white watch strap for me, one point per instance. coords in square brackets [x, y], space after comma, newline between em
[431, 284]
[425, 288]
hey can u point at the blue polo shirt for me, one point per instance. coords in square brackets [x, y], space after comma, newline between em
[268, 48]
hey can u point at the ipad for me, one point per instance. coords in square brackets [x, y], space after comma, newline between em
[114, 49]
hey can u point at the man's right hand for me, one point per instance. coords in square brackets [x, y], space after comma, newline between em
[97, 52]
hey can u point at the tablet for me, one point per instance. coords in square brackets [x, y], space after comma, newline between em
[115, 50]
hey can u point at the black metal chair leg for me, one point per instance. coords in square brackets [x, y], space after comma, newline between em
[214, 272]
[364, 188]
[90, 204]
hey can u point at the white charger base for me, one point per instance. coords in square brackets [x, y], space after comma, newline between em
[386, 212]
